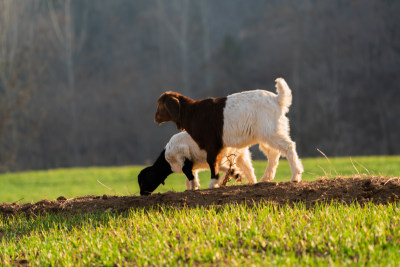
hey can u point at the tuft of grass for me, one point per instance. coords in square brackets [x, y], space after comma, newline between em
[36, 185]
[328, 234]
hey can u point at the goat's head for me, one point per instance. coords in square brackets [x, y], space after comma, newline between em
[149, 179]
[168, 108]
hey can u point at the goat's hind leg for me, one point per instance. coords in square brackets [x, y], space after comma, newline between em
[244, 164]
[288, 149]
[295, 164]
[273, 162]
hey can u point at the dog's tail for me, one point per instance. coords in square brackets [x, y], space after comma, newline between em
[284, 94]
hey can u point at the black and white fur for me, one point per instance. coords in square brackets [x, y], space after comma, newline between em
[183, 155]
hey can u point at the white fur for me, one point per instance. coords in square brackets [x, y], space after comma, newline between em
[258, 116]
[214, 183]
[181, 146]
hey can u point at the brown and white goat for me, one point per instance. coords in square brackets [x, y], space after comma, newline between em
[238, 120]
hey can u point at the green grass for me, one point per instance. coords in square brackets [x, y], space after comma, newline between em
[37, 185]
[263, 235]
[232, 235]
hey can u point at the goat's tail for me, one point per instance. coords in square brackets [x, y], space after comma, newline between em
[284, 94]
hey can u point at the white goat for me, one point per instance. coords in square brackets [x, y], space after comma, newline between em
[182, 147]
[183, 155]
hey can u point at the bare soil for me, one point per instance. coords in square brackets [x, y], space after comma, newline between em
[378, 190]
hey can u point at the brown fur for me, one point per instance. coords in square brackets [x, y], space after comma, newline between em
[202, 119]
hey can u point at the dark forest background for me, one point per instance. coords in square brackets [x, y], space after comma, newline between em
[79, 79]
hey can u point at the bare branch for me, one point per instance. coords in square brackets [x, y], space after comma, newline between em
[55, 24]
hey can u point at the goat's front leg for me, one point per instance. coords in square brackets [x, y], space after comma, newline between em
[214, 168]
[187, 169]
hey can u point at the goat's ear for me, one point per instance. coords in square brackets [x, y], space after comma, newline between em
[173, 107]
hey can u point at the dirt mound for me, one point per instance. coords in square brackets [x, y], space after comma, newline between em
[377, 190]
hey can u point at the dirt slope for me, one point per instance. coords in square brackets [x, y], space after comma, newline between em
[347, 190]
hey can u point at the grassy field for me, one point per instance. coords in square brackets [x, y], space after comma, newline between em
[37, 185]
[233, 235]
[334, 234]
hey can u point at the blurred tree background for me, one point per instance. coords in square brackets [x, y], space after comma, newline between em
[79, 79]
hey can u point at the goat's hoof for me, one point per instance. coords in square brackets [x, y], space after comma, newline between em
[266, 179]
[213, 184]
[296, 179]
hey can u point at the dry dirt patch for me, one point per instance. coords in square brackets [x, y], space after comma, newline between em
[378, 190]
